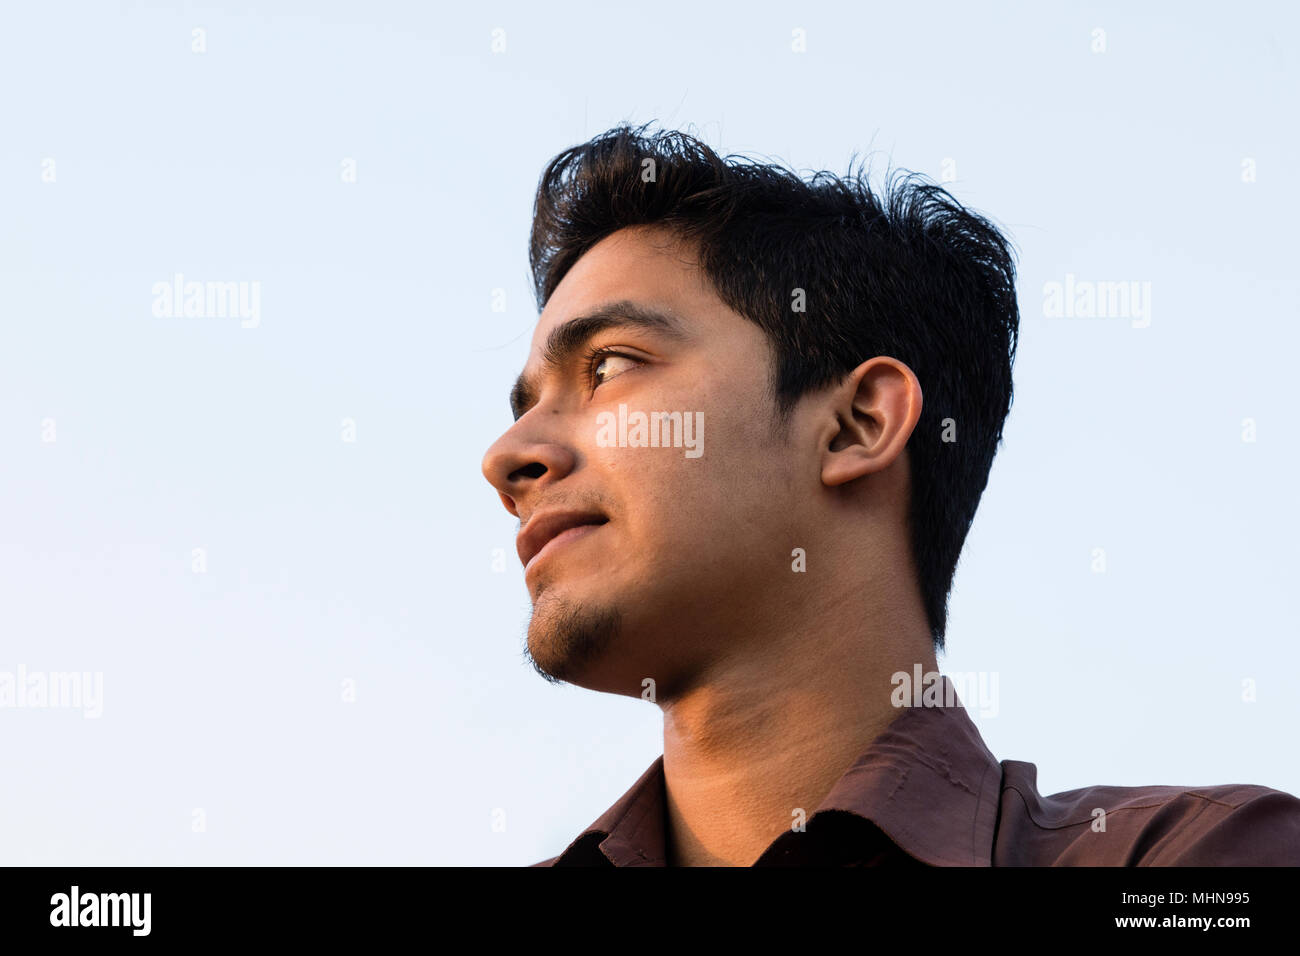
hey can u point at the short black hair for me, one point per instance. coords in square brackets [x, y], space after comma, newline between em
[908, 272]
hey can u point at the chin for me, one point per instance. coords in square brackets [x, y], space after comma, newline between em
[568, 639]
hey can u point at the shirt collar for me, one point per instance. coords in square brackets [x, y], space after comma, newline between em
[928, 782]
[631, 832]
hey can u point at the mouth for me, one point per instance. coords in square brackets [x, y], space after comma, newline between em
[547, 532]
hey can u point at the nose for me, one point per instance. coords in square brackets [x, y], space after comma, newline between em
[519, 466]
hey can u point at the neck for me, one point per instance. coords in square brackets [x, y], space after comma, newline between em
[771, 728]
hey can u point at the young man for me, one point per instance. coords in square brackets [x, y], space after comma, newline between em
[750, 438]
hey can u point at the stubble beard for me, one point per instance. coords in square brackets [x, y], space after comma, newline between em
[565, 638]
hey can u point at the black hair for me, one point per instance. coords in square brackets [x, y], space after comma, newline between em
[906, 272]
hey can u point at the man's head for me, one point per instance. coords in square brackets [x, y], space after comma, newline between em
[790, 330]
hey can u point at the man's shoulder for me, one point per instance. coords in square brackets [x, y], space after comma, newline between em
[1221, 825]
[550, 862]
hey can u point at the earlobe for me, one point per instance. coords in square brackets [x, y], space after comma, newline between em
[876, 409]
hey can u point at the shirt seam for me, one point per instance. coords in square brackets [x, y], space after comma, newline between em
[1145, 806]
[974, 825]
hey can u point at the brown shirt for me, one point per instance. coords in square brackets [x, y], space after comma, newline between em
[928, 792]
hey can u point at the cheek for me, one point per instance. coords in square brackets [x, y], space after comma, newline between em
[724, 501]
[726, 495]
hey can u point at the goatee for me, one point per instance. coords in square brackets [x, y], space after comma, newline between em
[564, 639]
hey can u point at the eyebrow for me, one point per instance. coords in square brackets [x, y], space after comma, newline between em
[567, 339]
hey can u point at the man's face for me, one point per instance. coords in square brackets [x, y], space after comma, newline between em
[676, 549]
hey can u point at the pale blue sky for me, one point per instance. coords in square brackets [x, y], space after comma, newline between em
[370, 561]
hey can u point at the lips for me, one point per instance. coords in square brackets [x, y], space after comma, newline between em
[543, 528]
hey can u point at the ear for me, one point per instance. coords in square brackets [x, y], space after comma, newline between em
[872, 414]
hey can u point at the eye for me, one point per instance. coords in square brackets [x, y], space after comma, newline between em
[606, 365]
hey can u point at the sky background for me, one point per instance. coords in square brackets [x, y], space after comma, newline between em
[364, 568]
